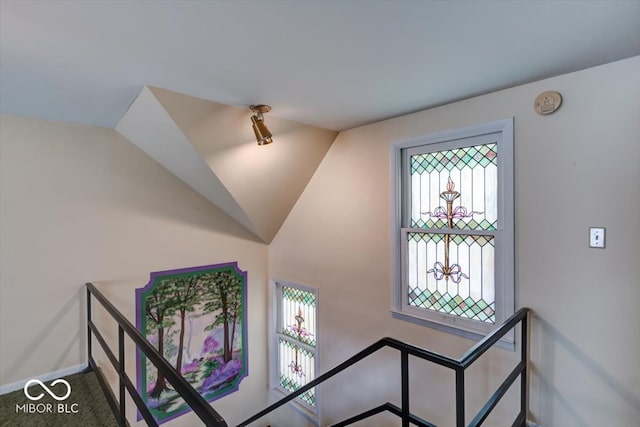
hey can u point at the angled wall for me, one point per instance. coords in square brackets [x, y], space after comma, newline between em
[148, 125]
[211, 147]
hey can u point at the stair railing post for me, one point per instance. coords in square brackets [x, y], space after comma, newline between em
[89, 349]
[404, 368]
[524, 357]
[123, 419]
[460, 396]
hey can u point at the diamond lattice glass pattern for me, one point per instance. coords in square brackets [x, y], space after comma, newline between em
[295, 302]
[292, 379]
[474, 171]
[471, 297]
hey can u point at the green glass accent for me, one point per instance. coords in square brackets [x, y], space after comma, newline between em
[426, 237]
[429, 223]
[468, 307]
[438, 224]
[299, 296]
[303, 351]
[291, 381]
[419, 223]
[458, 239]
[462, 223]
[455, 159]
[486, 225]
[309, 340]
[483, 240]
[461, 158]
[290, 385]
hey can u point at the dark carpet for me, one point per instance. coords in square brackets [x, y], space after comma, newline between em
[86, 406]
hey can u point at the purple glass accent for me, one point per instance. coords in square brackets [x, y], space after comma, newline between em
[455, 272]
[458, 212]
[296, 369]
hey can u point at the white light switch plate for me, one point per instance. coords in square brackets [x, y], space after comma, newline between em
[596, 237]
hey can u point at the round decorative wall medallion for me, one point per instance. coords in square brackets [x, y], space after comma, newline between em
[547, 102]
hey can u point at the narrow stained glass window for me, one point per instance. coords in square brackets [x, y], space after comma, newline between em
[296, 339]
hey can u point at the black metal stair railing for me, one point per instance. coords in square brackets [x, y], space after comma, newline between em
[200, 406]
[212, 419]
[458, 365]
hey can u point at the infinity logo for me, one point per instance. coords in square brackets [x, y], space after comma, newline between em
[47, 389]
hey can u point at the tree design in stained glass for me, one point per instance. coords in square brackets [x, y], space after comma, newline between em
[475, 173]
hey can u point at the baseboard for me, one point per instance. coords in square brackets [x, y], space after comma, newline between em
[8, 388]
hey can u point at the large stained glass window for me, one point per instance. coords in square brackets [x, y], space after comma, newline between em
[455, 227]
[453, 190]
[296, 335]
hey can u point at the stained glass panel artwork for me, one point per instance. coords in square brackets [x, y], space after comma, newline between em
[297, 367]
[297, 340]
[474, 172]
[458, 280]
[299, 314]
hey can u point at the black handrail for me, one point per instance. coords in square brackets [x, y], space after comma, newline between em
[459, 365]
[212, 419]
[192, 398]
[389, 407]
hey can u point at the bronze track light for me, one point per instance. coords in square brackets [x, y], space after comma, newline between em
[263, 135]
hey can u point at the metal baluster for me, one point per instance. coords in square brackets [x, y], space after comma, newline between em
[404, 365]
[460, 397]
[123, 419]
[523, 376]
[89, 349]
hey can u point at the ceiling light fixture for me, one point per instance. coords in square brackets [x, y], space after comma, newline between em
[263, 136]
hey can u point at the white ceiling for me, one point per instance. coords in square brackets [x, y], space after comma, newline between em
[333, 64]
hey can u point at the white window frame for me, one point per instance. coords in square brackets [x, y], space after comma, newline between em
[312, 413]
[501, 131]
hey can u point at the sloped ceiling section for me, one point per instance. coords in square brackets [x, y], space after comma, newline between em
[211, 147]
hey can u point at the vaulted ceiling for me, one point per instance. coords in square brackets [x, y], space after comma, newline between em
[333, 64]
[324, 66]
[212, 148]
